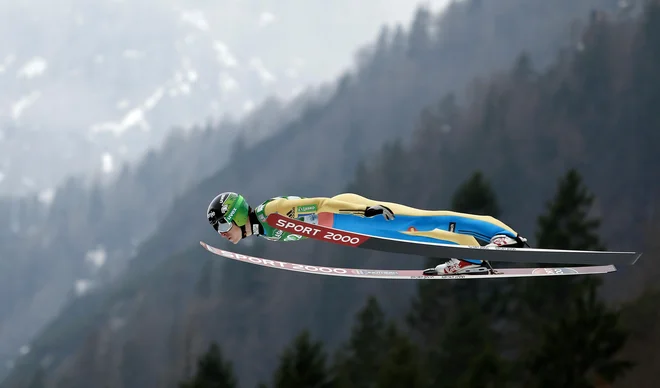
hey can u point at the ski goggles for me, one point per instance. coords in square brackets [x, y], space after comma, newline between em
[222, 226]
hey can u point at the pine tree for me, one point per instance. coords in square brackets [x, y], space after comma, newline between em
[419, 41]
[358, 361]
[476, 196]
[471, 339]
[443, 314]
[433, 299]
[213, 371]
[401, 362]
[302, 365]
[578, 349]
[569, 336]
[565, 225]
[523, 70]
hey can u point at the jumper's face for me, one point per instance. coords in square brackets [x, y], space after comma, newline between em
[234, 234]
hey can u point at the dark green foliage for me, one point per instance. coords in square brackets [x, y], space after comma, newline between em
[580, 347]
[452, 320]
[401, 362]
[476, 196]
[213, 371]
[567, 223]
[471, 341]
[377, 354]
[574, 322]
[359, 361]
[302, 365]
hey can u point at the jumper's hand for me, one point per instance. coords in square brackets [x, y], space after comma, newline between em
[372, 211]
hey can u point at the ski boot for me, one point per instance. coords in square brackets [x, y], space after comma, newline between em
[456, 266]
[502, 240]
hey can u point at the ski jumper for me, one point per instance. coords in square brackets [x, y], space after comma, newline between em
[346, 212]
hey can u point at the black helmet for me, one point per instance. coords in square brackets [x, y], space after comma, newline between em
[225, 208]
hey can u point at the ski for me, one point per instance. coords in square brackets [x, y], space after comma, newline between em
[428, 249]
[406, 274]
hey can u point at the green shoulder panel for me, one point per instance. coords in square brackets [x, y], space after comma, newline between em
[273, 234]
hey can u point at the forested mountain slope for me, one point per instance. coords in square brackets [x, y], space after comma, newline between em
[54, 251]
[188, 300]
[561, 130]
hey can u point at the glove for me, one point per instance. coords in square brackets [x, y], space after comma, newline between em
[372, 211]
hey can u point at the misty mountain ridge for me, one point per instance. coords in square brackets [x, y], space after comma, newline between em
[122, 209]
[87, 87]
[42, 266]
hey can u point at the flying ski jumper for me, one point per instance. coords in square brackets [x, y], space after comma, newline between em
[356, 214]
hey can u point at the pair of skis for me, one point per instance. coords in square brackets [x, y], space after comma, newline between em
[594, 262]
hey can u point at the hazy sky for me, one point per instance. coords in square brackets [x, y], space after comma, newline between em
[103, 80]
